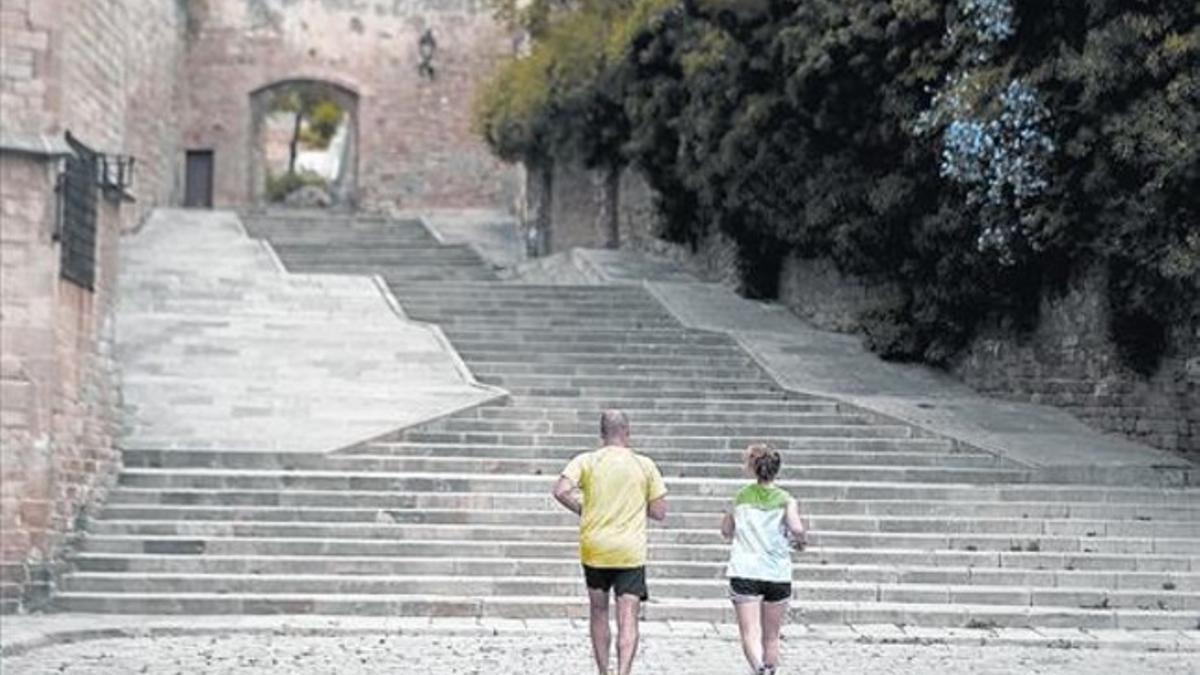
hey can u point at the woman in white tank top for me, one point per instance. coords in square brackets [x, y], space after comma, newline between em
[764, 526]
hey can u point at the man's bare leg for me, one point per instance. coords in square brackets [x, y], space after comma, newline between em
[774, 614]
[601, 633]
[627, 631]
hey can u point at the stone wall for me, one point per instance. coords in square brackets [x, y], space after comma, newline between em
[1068, 361]
[414, 132]
[817, 292]
[572, 207]
[580, 208]
[106, 72]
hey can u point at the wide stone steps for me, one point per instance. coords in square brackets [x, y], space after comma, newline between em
[484, 359]
[489, 476]
[699, 522]
[866, 488]
[533, 347]
[672, 463]
[389, 457]
[666, 588]
[650, 416]
[650, 443]
[645, 337]
[1181, 581]
[630, 312]
[455, 518]
[779, 403]
[798, 424]
[660, 553]
[634, 373]
[477, 606]
[316, 505]
[967, 539]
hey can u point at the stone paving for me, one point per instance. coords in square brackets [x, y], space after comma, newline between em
[220, 348]
[263, 653]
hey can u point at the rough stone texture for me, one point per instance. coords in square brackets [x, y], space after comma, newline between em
[817, 292]
[714, 258]
[106, 72]
[415, 132]
[660, 651]
[580, 206]
[58, 382]
[1068, 361]
[569, 207]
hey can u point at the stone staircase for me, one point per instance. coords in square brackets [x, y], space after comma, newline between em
[454, 518]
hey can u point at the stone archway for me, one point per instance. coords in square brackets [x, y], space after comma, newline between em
[342, 161]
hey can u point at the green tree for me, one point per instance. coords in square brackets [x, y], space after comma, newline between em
[308, 105]
[971, 152]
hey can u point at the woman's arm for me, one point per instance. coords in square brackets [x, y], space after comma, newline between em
[727, 526]
[795, 525]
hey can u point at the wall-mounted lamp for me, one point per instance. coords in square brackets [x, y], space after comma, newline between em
[426, 48]
[115, 172]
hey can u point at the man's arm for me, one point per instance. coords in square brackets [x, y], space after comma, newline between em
[657, 509]
[567, 494]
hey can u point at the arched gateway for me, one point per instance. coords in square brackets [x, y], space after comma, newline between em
[304, 134]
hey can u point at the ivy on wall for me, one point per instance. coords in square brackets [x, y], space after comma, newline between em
[972, 152]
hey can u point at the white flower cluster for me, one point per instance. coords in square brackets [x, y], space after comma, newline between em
[992, 143]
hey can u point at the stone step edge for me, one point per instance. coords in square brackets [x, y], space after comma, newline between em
[982, 616]
[732, 482]
[516, 514]
[1193, 559]
[798, 567]
[319, 581]
[717, 499]
[210, 529]
[171, 508]
[27, 635]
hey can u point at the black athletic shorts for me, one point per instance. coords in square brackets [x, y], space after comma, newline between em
[753, 590]
[621, 580]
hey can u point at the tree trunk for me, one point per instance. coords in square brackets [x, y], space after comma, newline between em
[612, 204]
[542, 203]
[293, 147]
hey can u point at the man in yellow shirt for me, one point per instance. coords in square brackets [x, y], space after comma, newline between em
[619, 490]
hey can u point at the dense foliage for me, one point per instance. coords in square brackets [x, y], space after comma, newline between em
[970, 151]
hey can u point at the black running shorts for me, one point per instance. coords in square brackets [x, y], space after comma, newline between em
[620, 580]
[754, 590]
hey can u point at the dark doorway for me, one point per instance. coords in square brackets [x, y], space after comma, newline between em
[198, 192]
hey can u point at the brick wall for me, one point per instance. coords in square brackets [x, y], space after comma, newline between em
[417, 149]
[102, 70]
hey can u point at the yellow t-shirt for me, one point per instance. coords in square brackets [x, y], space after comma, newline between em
[617, 485]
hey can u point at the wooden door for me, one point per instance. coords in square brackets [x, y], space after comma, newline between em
[198, 191]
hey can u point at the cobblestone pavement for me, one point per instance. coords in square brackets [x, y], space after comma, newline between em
[259, 654]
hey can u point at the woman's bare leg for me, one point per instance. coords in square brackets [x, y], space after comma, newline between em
[774, 615]
[750, 627]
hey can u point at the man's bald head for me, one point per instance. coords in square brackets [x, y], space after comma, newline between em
[614, 427]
